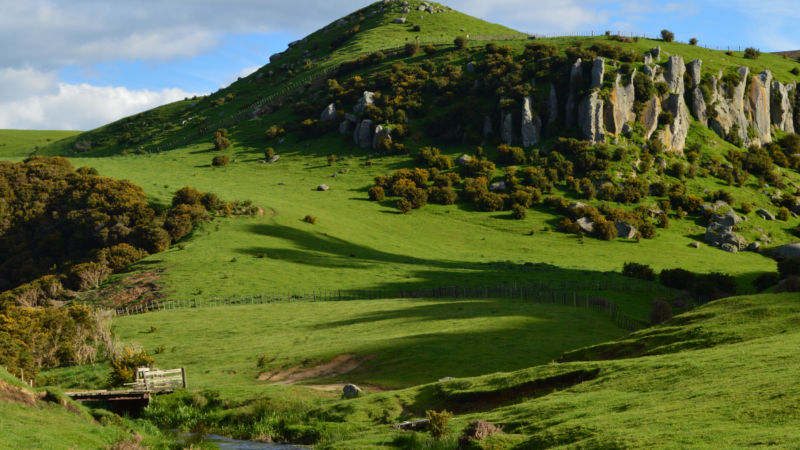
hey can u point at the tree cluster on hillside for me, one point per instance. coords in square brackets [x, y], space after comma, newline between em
[64, 230]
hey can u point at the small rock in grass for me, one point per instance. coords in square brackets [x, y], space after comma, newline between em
[351, 391]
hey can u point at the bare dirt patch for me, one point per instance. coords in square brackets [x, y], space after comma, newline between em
[136, 289]
[339, 365]
[14, 394]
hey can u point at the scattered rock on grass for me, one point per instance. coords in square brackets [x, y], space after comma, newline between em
[323, 187]
[351, 391]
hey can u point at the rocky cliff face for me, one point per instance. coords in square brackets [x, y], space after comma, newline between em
[727, 107]
[781, 106]
[619, 106]
[531, 124]
[758, 108]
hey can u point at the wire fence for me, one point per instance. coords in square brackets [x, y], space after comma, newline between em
[575, 294]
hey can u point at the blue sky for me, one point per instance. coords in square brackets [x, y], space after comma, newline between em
[79, 64]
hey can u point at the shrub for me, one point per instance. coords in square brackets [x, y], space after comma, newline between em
[766, 281]
[331, 159]
[662, 221]
[404, 206]
[489, 201]
[442, 195]
[220, 160]
[460, 42]
[693, 41]
[376, 193]
[790, 284]
[746, 208]
[89, 275]
[795, 71]
[417, 28]
[677, 279]
[121, 256]
[437, 422]
[430, 49]
[660, 312]
[636, 270]
[269, 152]
[647, 230]
[417, 196]
[789, 267]
[714, 285]
[519, 212]
[783, 213]
[667, 36]
[220, 141]
[510, 155]
[123, 367]
[605, 229]
[411, 49]
[310, 219]
[751, 53]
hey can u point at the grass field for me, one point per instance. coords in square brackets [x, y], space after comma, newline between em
[721, 376]
[411, 341]
[18, 144]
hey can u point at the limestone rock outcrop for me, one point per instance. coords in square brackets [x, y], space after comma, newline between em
[728, 106]
[673, 75]
[363, 134]
[531, 124]
[619, 105]
[781, 106]
[590, 118]
[507, 129]
[328, 113]
[575, 79]
[367, 99]
[674, 135]
[758, 105]
[598, 72]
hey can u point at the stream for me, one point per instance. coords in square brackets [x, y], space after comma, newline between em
[234, 444]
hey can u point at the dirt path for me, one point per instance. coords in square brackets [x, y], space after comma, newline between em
[339, 365]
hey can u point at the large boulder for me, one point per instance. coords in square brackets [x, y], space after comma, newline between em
[766, 215]
[729, 219]
[590, 118]
[531, 124]
[463, 160]
[674, 73]
[598, 72]
[400, 20]
[698, 106]
[367, 99]
[586, 224]
[499, 186]
[507, 129]
[626, 231]
[758, 104]
[344, 127]
[787, 251]
[328, 113]
[781, 106]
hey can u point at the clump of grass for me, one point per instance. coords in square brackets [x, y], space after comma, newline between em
[310, 219]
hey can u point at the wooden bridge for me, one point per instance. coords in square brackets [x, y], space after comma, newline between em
[137, 396]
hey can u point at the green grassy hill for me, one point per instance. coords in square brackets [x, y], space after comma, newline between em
[718, 375]
[15, 144]
[723, 378]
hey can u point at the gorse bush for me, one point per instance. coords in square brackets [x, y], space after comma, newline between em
[123, 366]
[437, 422]
[220, 160]
[636, 270]
[376, 193]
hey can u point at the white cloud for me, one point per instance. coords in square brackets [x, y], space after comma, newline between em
[16, 84]
[81, 106]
